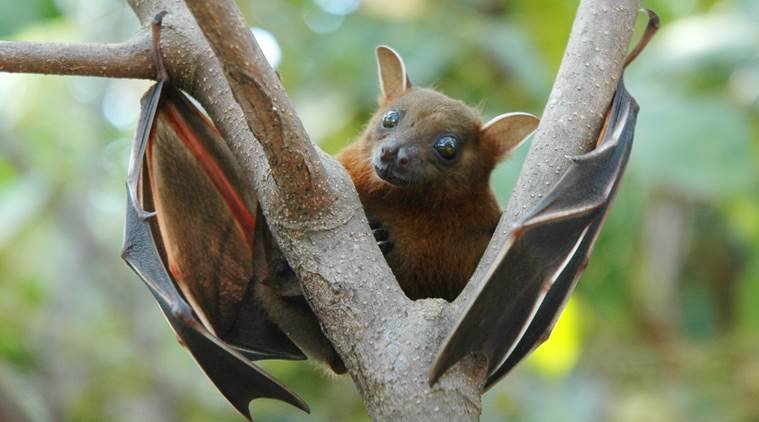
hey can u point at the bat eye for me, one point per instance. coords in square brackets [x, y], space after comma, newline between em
[391, 119]
[447, 146]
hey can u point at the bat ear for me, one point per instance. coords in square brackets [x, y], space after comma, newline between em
[394, 81]
[506, 132]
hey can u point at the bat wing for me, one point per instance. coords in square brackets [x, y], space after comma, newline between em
[538, 264]
[198, 250]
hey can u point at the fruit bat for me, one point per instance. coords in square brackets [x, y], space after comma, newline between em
[522, 293]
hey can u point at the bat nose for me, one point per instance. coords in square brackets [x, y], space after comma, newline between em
[388, 153]
[394, 155]
[402, 157]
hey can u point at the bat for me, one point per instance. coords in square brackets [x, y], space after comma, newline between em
[538, 265]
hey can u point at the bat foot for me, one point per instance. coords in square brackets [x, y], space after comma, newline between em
[385, 246]
[337, 365]
[381, 235]
[282, 269]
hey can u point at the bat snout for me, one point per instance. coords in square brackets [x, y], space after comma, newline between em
[392, 163]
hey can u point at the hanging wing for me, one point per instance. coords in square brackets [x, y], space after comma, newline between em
[191, 236]
[538, 265]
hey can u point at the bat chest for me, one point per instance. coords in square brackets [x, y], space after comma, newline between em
[436, 251]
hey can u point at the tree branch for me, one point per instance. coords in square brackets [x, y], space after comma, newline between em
[131, 59]
[296, 167]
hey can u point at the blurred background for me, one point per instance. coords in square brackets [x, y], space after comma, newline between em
[663, 325]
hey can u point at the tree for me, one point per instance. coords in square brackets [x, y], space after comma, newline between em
[309, 202]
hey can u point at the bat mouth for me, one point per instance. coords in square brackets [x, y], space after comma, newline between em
[387, 174]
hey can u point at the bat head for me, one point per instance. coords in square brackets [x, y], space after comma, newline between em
[420, 137]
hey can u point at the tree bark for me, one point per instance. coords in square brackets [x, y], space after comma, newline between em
[386, 340]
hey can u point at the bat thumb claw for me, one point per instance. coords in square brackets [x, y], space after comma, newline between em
[144, 215]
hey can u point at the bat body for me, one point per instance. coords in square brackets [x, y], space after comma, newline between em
[422, 171]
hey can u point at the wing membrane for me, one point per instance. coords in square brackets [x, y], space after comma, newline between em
[191, 235]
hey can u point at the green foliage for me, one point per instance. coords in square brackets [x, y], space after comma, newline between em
[664, 320]
[17, 14]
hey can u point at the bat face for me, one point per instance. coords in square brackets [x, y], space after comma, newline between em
[422, 140]
[425, 137]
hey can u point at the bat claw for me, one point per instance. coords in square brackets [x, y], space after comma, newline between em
[282, 269]
[144, 215]
[381, 235]
[385, 246]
